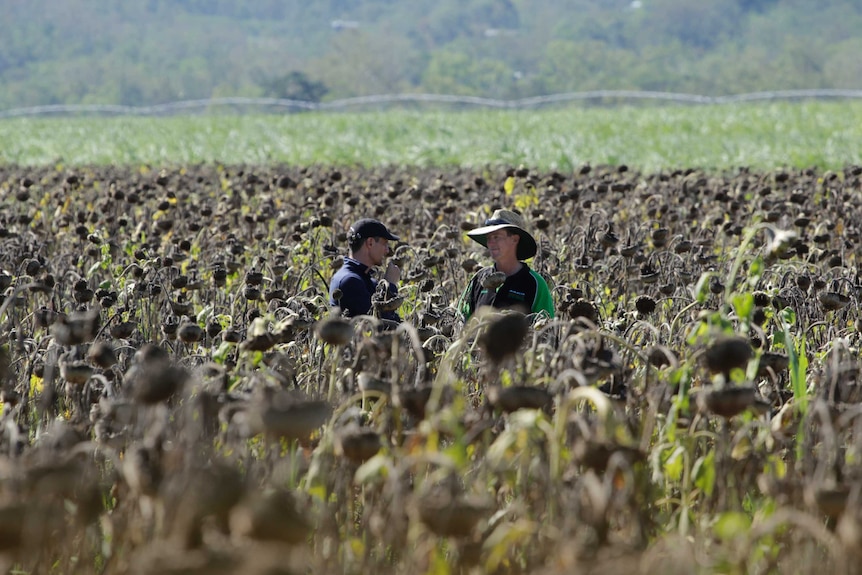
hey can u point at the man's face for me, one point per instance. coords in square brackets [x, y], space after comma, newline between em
[502, 245]
[378, 249]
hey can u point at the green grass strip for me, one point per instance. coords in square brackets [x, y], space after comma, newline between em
[649, 138]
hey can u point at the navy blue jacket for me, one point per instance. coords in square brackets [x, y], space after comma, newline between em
[357, 286]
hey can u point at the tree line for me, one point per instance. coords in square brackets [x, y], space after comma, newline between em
[154, 51]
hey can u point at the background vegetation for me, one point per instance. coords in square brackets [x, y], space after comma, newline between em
[116, 52]
[652, 139]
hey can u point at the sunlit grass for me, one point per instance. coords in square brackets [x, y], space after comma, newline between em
[823, 134]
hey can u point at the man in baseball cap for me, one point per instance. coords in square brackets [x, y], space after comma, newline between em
[509, 283]
[353, 285]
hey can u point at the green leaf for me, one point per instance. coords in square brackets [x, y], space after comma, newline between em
[755, 271]
[701, 290]
[506, 537]
[439, 563]
[204, 314]
[743, 304]
[680, 378]
[788, 316]
[220, 355]
[498, 452]
[356, 546]
[701, 331]
[798, 376]
[375, 468]
[317, 492]
[778, 340]
[732, 524]
[673, 464]
[704, 472]
[92, 269]
[509, 186]
[458, 453]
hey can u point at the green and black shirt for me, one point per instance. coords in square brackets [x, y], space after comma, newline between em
[525, 291]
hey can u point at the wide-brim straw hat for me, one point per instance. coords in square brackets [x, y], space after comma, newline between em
[503, 219]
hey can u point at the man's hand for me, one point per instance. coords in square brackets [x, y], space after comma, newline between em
[393, 273]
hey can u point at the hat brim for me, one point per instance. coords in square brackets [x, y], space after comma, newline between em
[390, 236]
[527, 247]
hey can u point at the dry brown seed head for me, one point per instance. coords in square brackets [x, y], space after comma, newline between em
[659, 237]
[596, 455]
[181, 308]
[76, 372]
[370, 382]
[659, 356]
[292, 421]
[232, 335]
[609, 238]
[728, 401]
[389, 305]
[334, 330]
[509, 399]
[415, 400]
[77, 328]
[152, 378]
[728, 353]
[771, 360]
[645, 304]
[469, 265]
[829, 501]
[832, 301]
[504, 335]
[629, 250]
[448, 516]
[102, 354]
[271, 516]
[141, 469]
[583, 308]
[357, 444]
[493, 280]
[122, 330]
[260, 342]
[190, 332]
[251, 293]
[761, 299]
[214, 327]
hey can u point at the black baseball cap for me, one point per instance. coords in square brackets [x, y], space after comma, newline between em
[370, 228]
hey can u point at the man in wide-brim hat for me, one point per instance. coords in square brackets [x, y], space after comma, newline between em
[509, 283]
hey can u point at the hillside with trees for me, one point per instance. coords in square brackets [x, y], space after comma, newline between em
[154, 51]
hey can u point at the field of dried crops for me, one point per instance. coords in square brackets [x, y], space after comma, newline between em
[177, 398]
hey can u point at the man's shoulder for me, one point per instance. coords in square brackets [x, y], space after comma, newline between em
[345, 276]
[529, 279]
[540, 280]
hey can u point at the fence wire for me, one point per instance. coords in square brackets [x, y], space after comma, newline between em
[242, 103]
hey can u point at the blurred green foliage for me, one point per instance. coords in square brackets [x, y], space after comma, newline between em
[154, 51]
[650, 138]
